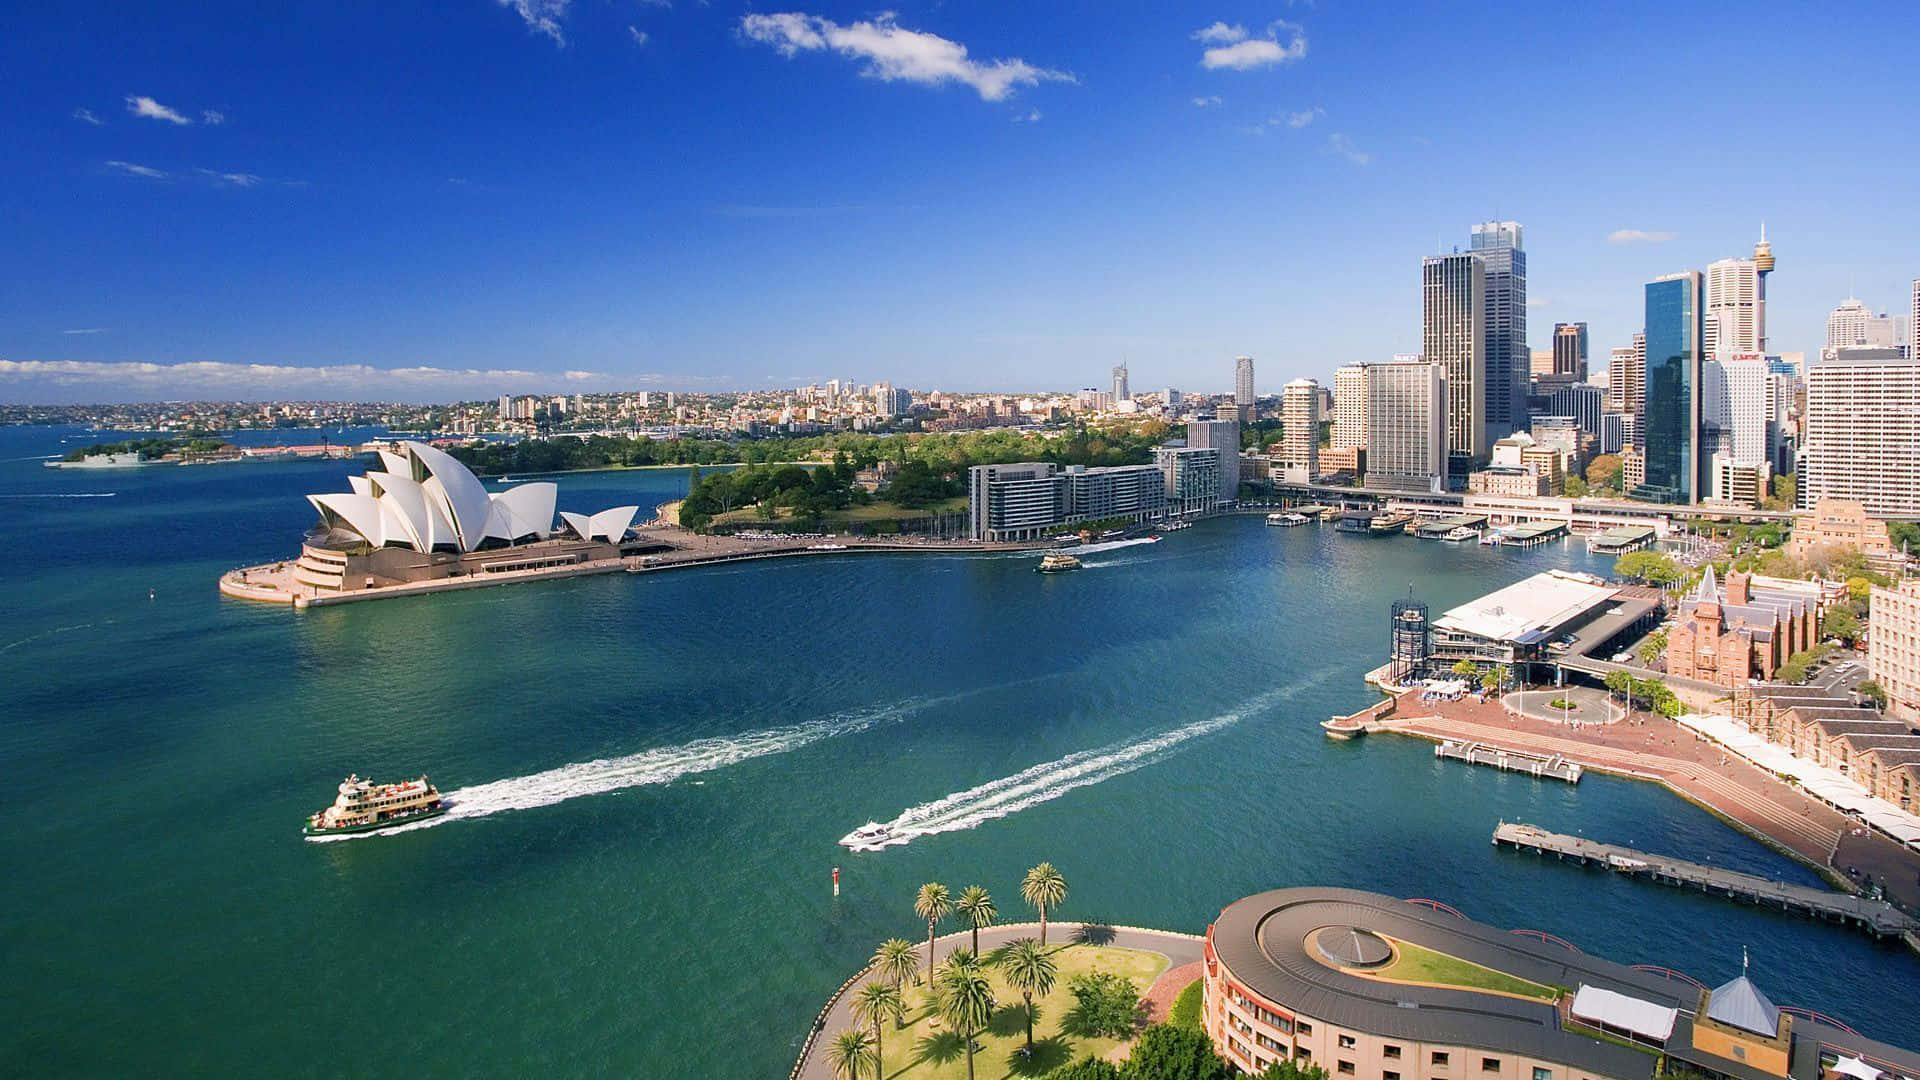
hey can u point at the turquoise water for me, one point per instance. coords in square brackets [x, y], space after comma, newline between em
[663, 906]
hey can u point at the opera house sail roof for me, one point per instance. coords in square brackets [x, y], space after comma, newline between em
[427, 501]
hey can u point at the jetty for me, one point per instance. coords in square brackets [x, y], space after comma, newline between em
[1877, 917]
[1538, 766]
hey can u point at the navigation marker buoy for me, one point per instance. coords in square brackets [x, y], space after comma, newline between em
[836, 881]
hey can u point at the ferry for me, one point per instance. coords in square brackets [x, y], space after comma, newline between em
[1176, 526]
[1461, 535]
[364, 806]
[871, 837]
[1057, 562]
[1288, 520]
[1391, 523]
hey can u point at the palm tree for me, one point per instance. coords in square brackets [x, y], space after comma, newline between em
[850, 1053]
[1045, 889]
[896, 960]
[976, 909]
[875, 1002]
[932, 904]
[966, 1004]
[1031, 971]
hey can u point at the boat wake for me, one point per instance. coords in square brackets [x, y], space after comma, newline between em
[657, 766]
[61, 495]
[1111, 545]
[1046, 782]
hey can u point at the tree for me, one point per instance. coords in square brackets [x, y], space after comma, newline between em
[1165, 1052]
[875, 1002]
[1106, 1004]
[975, 909]
[851, 1053]
[896, 960]
[1492, 679]
[966, 1003]
[1841, 623]
[1467, 669]
[933, 903]
[1619, 682]
[1873, 692]
[1604, 472]
[1576, 488]
[1044, 888]
[1088, 1068]
[1288, 1069]
[1030, 970]
[1654, 647]
[1648, 566]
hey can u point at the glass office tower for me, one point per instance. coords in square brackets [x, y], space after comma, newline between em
[1675, 470]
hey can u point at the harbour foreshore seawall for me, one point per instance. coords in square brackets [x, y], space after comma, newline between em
[682, 549]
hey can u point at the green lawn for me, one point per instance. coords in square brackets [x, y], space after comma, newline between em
[926, 1048]
[1421, 965]
[1186, 1007]
[749, 517]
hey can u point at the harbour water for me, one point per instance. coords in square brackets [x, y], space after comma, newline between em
[655, 771]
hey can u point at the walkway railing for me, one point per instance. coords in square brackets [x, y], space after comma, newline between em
[1669, 973]
[1820, 1017]
[1436, 905]
[1551, 939]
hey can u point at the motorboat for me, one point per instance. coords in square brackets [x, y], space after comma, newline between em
[1461, 535]
[871, 837]
[1288, 520]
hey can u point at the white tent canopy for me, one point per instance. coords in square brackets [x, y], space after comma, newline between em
[1598, 1005]
[1853, 1066]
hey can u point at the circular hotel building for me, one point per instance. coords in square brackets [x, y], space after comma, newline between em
[1372, 988]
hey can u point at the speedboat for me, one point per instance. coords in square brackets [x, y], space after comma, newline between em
[871, 837]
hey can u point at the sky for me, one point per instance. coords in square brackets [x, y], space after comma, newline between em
[457, 199]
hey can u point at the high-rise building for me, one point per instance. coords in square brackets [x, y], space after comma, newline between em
[1243, 395]
[1618, 361]
[1581, 402]
[1498, 244]
[1407, 411]
[1736, 417]
[1675, 468]
[1300, 429]
[1853, 325]
[1736, 317]
[1349, 408]
[1762, 266]
[1570, 351]
[1170, 397]
[1913, 324]
[506, 406]
[1121, 392]
[1192, 477]
[1021, 501]
[1224, 436]
[1453, 305]
[1541, 364]
[1861, 431]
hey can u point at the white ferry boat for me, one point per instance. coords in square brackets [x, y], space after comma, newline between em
[1461, 535]
[871, 837]
[1288, 520]
[1057, 562]
[364, 806]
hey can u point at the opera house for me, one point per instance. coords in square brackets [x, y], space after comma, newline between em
[427, 519]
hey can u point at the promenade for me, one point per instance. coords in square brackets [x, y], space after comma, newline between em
[1651, 747]
[1182, 951]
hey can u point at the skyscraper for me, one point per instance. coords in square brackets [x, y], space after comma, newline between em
[1862, 424]
[1349, 408]
[1735, 321]
[1498, 244]
[1618, 361]
[1243, 396]
[1853, 325]
[1570, 351]
[1674, 467]
[1224, 436]
[1913, 324]
[1453, 303]
[1736, 414]
[1120, 391]
[1300, 429]
[1407, 405]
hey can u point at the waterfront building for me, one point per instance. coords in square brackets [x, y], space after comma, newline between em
[1312, 976]
[1453, 290]
[1735, 320]
[1515, 624]
[1878, 753]
[1024, 500]
[1861, 435]
[1192, 477]
[1570, 352]
[1244, 398]
[1853, 325]
[1508, 481]
[1893, 648]
[1351, 462]
[1674, 467]
[1121, 392]
[1349, 408]
[1224, 436]
[1300, 430]
[1498, 244]
[1831, 525]
[1745, 632]
[1406, 427]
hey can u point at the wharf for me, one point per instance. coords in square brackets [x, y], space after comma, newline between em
[1438, 528]
[1877, 917]
[1621, 539]
[1538, 766]
[1531, 535]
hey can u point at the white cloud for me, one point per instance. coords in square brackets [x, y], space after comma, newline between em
[131, 169]
[230, 179]
[212, 117]
[53, 380]
[1343, 146]
[86, 116]
[542, 16]
[1304, 117]
[1220, 34]
[638, 35]
[1204, 102]
[1032, 116]
[1251, 53]
[1538, 301]
[1624, 237]
[87, 330]
[895, 54]
[141, 105]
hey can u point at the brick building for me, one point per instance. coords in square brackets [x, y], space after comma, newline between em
[1746, 632]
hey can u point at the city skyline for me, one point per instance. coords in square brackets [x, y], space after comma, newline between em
[709, 198]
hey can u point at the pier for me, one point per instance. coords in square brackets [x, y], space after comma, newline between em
[1538, 766]
[1877, 917]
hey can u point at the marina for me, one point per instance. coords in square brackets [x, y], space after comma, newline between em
[1877, 917]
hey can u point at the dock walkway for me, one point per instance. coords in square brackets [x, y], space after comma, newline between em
[1876, 917]
[1538, 766]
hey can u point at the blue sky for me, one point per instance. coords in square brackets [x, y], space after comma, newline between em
[460, 198]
